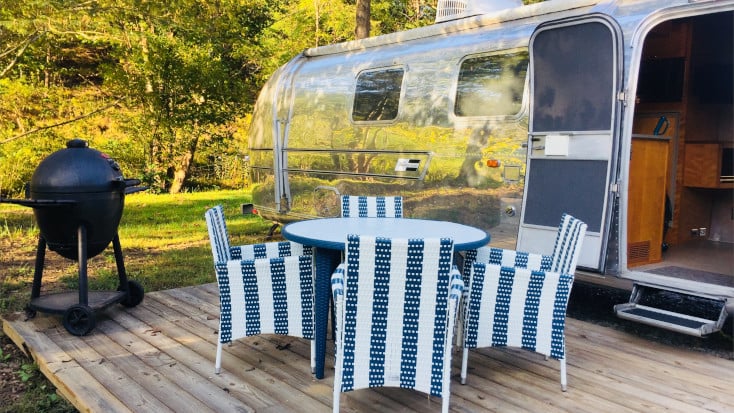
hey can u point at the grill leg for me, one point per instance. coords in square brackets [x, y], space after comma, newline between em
[120, 263]
[38, 272]
[82, 254]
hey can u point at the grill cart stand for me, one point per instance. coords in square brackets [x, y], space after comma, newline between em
[78, 307]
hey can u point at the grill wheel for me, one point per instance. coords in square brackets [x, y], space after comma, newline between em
[79, 319]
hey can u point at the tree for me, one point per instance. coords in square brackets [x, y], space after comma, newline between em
[191, 66]
[362, 29]
[153, 83]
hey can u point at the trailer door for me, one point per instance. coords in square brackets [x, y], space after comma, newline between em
[573, 139]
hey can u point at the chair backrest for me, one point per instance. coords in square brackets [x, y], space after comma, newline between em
[218, 235]
[506, 258]
[270, 250]
[400, 298]
[266, 296]
[565, 255]
[517, 307]
[222, 251]
[372, 206]
[571, 232]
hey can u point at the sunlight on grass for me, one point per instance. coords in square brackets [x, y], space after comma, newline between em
[164, 240]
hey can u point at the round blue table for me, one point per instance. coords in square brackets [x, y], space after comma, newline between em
[328, 236]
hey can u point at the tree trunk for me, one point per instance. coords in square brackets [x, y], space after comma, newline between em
[415, 6]
[317, 9]
[362, 29]
[183, 167]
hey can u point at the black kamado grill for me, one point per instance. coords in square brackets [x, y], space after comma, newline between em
[77, 195]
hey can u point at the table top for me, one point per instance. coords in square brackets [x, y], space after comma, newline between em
[332, 233]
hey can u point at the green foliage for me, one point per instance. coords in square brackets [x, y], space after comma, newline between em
[27, 371]
[4, 356]
[25, 108]
[392, 16]
[164, 88]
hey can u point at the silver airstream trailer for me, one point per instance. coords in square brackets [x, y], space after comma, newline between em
[618, 112]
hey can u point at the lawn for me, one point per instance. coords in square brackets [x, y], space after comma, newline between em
[165, 244]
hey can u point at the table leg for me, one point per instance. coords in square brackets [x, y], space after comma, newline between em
[326, 261]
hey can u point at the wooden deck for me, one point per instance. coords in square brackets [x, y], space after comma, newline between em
[159, 356]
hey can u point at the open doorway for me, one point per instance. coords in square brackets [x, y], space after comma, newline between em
[681, 189]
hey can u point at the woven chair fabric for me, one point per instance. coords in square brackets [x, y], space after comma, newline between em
[270, 250]
[504, 258]
[222, 251]
[372, 206]
[517, 307]
[266, 296]
[395, 305]
[563, 259]
[271, 295]
[218, 235]
[518, 299]
[565, 255]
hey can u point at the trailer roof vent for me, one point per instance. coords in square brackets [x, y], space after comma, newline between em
[455, 9]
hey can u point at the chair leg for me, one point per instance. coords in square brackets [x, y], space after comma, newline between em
[218, 361]
[313, 356]
[564, 383]
[464, 360]
[338, 370]
[337, 393]
[336, 401]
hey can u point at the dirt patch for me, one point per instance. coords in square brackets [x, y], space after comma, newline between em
[11, 385]
[22, 386]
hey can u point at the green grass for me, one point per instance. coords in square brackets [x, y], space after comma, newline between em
[165, 244]
[164, 241]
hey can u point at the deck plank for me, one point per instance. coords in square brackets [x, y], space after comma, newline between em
[71, 380]
[159, 356]
[243, 371]
[175, 380]
[271, 351]
[134, 389]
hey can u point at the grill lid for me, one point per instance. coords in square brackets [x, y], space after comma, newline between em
[76, 169]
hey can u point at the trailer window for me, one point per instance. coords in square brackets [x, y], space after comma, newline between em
[575, 78]
[378, 95]
[491, 85]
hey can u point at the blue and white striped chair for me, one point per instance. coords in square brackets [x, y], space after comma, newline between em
[563, 259]
[223, 251]
[396, 302]
[372, 206]
[266, 292]
[519, 300]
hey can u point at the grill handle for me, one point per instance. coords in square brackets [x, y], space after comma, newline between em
[131, 186]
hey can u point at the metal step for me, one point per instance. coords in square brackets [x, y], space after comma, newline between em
[675, 320]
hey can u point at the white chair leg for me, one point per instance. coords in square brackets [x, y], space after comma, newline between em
[337, 393]
[337, 380]
[218, 362]
[564, 384]
[336, 402]
[313, 356]
[464, 360]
